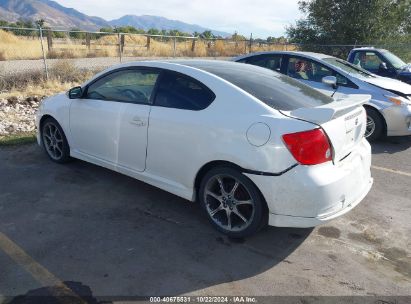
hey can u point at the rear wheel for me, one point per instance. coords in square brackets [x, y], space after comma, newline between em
[232, 202]
[54, 141]
[375, 125]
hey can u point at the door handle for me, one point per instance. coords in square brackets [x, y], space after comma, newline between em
[138, 122]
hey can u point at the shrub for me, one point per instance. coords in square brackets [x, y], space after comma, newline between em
[64, 54]
[21, 80]
[66, 71]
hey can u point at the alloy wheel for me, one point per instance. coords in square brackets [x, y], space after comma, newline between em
[370, 127]
[53, 141]
[229, 203]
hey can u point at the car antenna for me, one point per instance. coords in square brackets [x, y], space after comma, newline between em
[335, 87]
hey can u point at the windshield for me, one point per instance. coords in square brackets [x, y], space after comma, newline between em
[348, 67]
[276, 90]
[394, 60]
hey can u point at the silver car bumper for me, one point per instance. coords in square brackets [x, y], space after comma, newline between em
[398, 119]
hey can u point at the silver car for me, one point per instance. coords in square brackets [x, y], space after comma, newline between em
[388, 111]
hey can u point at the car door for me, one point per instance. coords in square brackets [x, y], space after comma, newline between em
[309, 72]
[110, 121]
[318, 71]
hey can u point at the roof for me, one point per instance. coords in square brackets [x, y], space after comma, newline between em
[306, 54]
[204, 65]
[368, 48]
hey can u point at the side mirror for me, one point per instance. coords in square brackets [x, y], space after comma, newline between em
[330, 81]
[76, 92]
[383, 66]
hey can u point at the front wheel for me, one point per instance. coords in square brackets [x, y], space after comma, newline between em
[375, 125]
[232, 202]
[54, 141]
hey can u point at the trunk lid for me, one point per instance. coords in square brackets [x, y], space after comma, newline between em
[343, 120]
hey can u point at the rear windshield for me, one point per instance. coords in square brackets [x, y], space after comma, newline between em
[276, 90]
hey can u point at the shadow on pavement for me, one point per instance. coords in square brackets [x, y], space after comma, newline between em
[391, 145]
[120, 236]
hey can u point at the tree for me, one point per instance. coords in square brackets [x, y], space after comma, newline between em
[153, 31]
[237, 37]
[207, 35]
[329, 22]
[76, 33]
[40, 22]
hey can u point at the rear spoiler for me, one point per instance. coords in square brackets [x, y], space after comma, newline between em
[330, 110]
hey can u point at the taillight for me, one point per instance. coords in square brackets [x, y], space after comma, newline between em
[309, 147]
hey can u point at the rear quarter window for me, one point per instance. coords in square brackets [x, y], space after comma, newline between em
[179, 91]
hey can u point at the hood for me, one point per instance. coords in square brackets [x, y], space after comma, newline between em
[390, 84]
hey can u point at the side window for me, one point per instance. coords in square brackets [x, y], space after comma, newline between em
[367, 60]
[341, 80]
[272, 62]
[344, 81]
[179, 91]
[133, 86]
[305, 69]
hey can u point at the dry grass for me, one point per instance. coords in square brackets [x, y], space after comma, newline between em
[13, 47]
[17, 47]
[63, 75]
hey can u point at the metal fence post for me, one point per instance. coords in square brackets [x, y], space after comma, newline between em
[119, 46]
[49, 40]
[44, 54]
[88, 41]
[174, 47]
[251, 43]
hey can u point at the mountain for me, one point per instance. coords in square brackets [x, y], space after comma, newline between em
[53, 13]
[58, 16]
[147, 22]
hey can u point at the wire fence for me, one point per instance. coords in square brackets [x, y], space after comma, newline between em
[24, 50]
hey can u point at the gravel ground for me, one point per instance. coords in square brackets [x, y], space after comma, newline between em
[17, 114]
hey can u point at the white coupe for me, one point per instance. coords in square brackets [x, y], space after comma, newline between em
[254, 147]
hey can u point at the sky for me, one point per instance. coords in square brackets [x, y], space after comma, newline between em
[262, 18]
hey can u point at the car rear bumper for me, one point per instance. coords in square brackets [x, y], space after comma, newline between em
[398, 119]
[307, 196]
[279, 220]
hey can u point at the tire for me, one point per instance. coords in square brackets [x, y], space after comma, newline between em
[244, 206]
[375, 125]
[54, 141]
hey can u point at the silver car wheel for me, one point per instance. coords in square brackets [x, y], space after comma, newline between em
[53, 141]
[370, 127]
[229, 203]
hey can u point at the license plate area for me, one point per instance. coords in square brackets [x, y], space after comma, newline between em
[353, 127]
